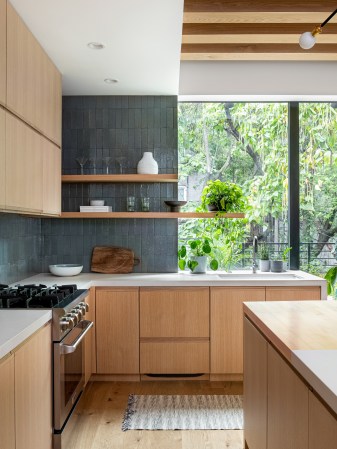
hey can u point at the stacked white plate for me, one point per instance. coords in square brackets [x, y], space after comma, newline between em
[95, 209]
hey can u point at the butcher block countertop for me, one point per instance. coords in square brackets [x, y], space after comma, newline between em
[305, 333]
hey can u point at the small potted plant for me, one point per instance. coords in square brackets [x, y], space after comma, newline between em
[264, 257]
[195, 257]
[279, 265]
[222, 196]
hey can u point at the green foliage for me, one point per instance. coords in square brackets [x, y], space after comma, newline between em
[263, 251]
[285, 253]
[196, 248]
[331, 277]
[226, 196]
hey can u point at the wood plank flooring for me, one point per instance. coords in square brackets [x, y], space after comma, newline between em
[98, 420]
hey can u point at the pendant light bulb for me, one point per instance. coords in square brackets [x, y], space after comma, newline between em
[307, 40]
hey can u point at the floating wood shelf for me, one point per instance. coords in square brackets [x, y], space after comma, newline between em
[120, 178]
[148, 215]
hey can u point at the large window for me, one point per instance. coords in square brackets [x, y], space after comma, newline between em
[245, 143]
[318, 185]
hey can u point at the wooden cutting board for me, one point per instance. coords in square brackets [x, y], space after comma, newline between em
[113, 259]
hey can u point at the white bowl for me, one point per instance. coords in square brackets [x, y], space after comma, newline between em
[97, 202]
[67, 269]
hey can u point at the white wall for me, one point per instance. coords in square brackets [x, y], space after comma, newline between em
[258, 80]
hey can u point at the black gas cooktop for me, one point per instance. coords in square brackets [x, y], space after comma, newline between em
[39, 296]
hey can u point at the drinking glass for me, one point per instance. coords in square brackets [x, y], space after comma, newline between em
[123, 163]
[92, 162]
[131, 204]
[82, 161]
[106, 162]
[145, 204]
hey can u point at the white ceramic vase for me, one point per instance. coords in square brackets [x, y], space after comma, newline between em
[202, 263]
[264, 265]
[147, 165]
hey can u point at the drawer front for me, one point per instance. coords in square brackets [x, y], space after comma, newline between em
[293, 293]
[174, 312]
[185, 357]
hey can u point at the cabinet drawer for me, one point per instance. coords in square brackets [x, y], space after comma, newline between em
[293, 293]
[174, 312]
[185, 357]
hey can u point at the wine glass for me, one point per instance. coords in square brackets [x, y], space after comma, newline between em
[107, 161]
[122, 162]
[82, 161]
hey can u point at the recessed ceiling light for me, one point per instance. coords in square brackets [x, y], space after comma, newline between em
[95, 45]
[110, 81]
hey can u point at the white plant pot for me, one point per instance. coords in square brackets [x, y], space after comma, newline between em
[264, 265]
[276, 266]
[202, 263]
[147, 165]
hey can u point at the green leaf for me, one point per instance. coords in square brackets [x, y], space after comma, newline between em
[192, 264]
[182, 264]
[182, 252]
[214, 265]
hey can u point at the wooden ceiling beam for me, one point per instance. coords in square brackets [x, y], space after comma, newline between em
[253, 39]
[257, 17]
[253, 28]
[256, 48]
[259, 6]
[259, 56]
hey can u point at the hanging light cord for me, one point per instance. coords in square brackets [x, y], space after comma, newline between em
[328, 19]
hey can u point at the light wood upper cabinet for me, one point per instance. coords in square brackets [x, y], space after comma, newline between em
[255, 387]
[174, 312]
[24, 164]
[322, 425]
[227, 326]
[7, 417]
[51, 178]
[117, 330]
[2, 158]
[3, 7]
[288, 400]
[33, 82]
[292, 293]
[33, 392]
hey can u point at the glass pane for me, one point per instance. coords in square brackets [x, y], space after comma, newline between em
[247, 144]
[318, 181]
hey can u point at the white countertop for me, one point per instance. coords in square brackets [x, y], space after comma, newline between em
[87, 280]
[17, 325]
[319, 369]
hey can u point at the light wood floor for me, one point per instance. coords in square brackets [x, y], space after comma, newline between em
[99, 418]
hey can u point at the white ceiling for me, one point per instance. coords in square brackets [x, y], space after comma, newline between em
[142, 39]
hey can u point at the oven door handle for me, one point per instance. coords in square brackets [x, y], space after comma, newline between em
[67, 348]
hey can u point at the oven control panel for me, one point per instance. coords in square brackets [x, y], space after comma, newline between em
[73, 317]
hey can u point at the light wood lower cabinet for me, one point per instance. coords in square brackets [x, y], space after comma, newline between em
[293, 293]
[2, 158]
[227, 326]
[288, 405]
[7, 417]
[3, 39]
[117, 330]
[33, 392]
[322, 425]
[255, 387]
[90, 341]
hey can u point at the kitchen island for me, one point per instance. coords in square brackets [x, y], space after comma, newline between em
[290, 366]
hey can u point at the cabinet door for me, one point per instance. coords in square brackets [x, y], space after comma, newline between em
[90, 339]
[2, 158]
[51, 178]
[33, 82]
[174, 312]
[227, 326]
[3, 8]
[322, 425]
[7, 420]
[255, 387]
[117, 330]
[288, 405]
[23, 166]
[33, 392]
[293, 293]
